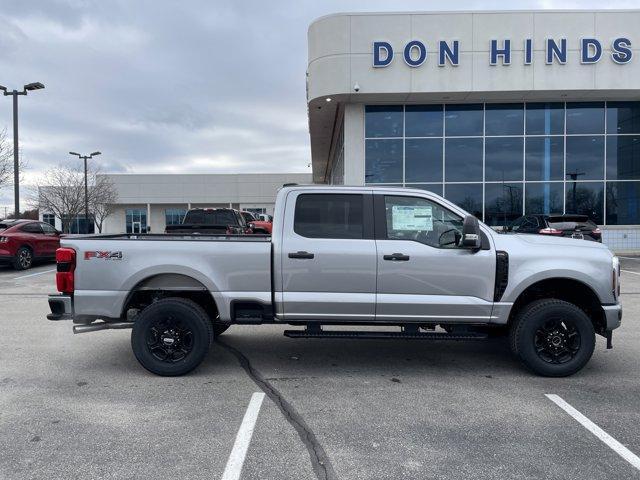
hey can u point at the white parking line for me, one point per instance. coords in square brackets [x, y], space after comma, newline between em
[629, 271]
[611, 442]
[243, 438]
[34, 274]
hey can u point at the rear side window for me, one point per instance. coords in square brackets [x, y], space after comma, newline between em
[32, 228]
[329, 216]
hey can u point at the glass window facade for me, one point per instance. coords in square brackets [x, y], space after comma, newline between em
[79, 225]
[499, 161]
[49, 218]
[136, 220]
[174, 216]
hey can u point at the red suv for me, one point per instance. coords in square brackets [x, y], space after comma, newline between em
[23, 242]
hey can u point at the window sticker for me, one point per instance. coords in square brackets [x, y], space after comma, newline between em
[412, 218]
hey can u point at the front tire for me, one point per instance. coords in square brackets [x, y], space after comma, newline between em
[553, 338]
[219, 329]
[171, 336]
[23, 259]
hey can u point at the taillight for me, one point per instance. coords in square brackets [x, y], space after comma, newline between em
[66, 265]
[550, 231]
[597, 231]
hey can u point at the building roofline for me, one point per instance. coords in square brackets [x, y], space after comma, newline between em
[204, 174]
[478, 12]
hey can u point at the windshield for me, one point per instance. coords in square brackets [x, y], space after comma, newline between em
[248, 216]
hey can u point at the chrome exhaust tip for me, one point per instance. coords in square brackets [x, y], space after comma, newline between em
[94, 327]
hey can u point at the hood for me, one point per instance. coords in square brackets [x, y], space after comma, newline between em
[503, 241]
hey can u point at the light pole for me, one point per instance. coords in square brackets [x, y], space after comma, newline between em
[16, 174]
[86, 188]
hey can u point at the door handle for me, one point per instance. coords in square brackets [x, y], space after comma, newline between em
[397, 257]
[301, 255]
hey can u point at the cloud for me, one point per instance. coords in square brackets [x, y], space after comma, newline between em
[163, 86]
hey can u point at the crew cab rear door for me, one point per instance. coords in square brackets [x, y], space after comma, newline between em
[423, 276]
[328, 257]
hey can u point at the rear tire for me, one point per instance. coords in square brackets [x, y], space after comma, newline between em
[23, 259]
[171, 336]
[553, 338]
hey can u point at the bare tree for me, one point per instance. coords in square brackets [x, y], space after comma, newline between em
[62, 193]
[6, 159]
[102, 198]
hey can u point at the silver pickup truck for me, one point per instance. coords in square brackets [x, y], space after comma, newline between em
[402, 258]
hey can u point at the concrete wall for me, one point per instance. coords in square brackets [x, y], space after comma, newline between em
[202, 189]
[340, 54]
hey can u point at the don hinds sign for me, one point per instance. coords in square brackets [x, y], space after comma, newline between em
[415, 52]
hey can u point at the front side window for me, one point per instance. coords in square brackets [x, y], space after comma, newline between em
[419, 219]
[48, 229]
[329, 216]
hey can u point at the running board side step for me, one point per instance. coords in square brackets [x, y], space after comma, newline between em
[407, 335]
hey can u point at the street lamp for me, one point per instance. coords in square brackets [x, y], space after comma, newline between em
[29, 87]
[86, 188]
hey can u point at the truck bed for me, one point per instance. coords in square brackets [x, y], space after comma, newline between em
[108, 267]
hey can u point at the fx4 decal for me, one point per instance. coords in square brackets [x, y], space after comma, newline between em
[103, 255]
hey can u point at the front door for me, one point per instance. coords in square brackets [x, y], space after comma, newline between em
[51, 240]
[136, 227]
[423, 276]
[328, 258]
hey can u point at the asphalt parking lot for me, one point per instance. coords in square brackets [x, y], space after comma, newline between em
[80, 406]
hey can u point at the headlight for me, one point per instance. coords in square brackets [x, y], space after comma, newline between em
[615, 276]
[4, 239]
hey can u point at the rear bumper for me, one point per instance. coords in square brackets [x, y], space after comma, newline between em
[61, 307]
[613, 315]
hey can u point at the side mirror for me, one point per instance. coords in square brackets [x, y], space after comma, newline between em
[471, 237]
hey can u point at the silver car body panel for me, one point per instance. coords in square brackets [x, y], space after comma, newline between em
[347, 280]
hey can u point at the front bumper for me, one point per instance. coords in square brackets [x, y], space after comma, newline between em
[61, 307]
[613, 315]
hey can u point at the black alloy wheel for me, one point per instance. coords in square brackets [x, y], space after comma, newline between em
[171, 336]
[169, 339]
[552, 337]
[557, 341]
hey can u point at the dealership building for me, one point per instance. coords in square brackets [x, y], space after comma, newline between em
[150, 202]
[503, 113]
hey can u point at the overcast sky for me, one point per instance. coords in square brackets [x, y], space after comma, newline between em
[172, 86]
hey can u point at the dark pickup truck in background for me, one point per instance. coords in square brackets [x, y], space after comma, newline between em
[225, 221]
